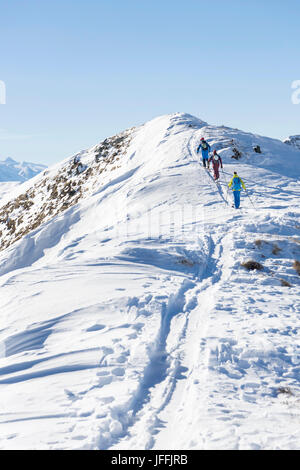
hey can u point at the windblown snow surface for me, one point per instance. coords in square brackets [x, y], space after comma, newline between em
[128, 322]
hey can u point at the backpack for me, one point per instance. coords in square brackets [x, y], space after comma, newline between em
[236, 183]
[204, 145]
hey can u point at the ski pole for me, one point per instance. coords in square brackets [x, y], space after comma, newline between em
[250, 198]
[227, 194]
[224, 179]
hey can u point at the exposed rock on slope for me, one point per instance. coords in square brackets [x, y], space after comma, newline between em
[56, 191]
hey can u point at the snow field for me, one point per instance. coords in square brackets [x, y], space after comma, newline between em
[128, 320]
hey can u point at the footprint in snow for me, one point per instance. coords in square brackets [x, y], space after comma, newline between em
[118, 371]
[71, 395]
[107, 400]
[95, 327]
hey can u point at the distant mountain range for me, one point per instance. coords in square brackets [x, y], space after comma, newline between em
[10, 170]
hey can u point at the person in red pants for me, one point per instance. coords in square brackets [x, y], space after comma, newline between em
[216, 162]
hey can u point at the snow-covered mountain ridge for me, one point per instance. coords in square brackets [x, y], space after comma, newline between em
[68, 182]
[128, 319]
[57, 189]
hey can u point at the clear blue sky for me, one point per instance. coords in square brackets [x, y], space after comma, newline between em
[77, 71]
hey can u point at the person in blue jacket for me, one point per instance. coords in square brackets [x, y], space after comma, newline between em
[205, 149]
[236, 184]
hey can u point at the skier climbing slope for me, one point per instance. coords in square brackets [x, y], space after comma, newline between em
[236, 183]
[205, 149]
[216, 163]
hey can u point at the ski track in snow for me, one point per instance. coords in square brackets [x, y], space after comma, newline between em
[138, 340]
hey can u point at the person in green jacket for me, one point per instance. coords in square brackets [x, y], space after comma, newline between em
[236, 184]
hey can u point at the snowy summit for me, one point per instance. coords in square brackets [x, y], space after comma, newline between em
[139, 309]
